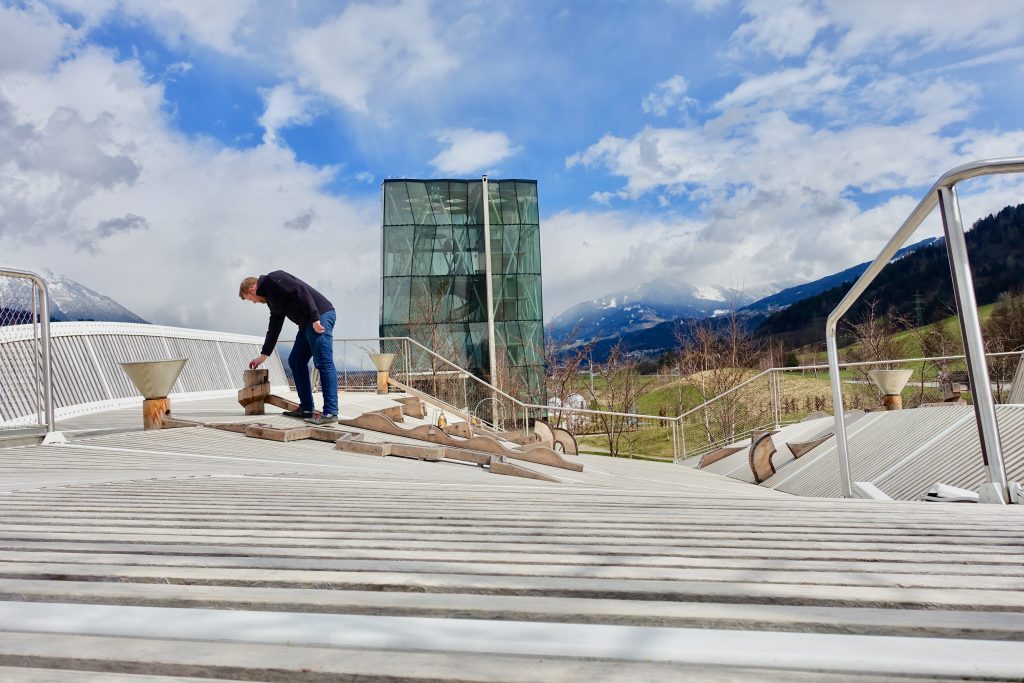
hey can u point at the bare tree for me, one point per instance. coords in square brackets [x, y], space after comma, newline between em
[715, 359]
[621, 386]
[938, 340]
[1004, 331]
[874, 339]
[563, 363]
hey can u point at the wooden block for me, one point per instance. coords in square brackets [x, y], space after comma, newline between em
[716, 455]
[282, 403]
[252, 398]
[324, 434]
[174, 423]
[760, 457]
[394, 413]
[412, 406]
[237, 427]
[543, 431]
[431, 453]
[799, 448]
[258, 431]
[257, 376]
[459, 429]
[467, 456]
[565, 442]
[510, 469]
[363, 447]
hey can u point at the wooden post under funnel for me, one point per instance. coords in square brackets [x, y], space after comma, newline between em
[154, 380]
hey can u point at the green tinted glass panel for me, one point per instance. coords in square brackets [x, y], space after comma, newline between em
[396, 205]
[509, 203]
[526, 193]
[395, 309]
[398, 251]
[419, 203]
[475, 213]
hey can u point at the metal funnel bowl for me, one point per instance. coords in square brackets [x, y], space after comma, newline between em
[891, 382]
[382, 361]
[154, 378]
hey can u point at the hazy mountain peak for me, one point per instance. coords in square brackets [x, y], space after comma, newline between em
[69, 300]
[650, 303]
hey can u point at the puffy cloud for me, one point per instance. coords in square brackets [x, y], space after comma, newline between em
[370, 49]
[284, 107]
[668, 95]
[98, 186]
[211, 24]
[583, 249]
[472, 150]
[30, 39]
[781, 29]
[827, 141]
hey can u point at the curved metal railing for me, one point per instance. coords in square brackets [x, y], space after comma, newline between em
[942, 194]
[86, 377]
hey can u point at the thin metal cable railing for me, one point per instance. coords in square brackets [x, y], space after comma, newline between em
[417, 367]
[942, 195]
[423, 370]
[780, 396]
[26, 383]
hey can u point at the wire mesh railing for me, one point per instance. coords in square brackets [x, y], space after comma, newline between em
[26, 387]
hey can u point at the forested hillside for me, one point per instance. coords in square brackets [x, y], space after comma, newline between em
[918, 286]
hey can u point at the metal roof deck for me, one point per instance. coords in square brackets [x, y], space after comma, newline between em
[195, 553]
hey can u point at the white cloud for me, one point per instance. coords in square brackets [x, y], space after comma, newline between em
[30, 39]
[284, 107]
[668, 95]
[97, 186]
[211, 24]
[780, 28]
[472, 150]
[581, 250]
[782, 170]
[371, 49]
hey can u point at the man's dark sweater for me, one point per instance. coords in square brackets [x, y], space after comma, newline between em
[289, 297]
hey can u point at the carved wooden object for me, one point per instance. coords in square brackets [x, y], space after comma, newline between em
[254, 393]
[154, 412]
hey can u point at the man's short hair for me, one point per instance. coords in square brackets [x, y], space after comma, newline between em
[246, 285]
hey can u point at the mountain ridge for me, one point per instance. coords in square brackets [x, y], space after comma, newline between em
[69, 301]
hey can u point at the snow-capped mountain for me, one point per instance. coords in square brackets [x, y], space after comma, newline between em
[69, 300]
[651, 303]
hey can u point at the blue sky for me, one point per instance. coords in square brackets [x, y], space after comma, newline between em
[158, 151]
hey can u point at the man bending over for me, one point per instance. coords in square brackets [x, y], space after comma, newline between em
[289, 297]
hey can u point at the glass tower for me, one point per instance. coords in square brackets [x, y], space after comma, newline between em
[434, 276]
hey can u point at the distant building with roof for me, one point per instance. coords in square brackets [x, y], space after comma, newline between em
[434, 284]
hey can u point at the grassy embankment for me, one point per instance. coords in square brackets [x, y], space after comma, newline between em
[803, 392]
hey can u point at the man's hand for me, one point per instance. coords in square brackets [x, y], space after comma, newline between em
[257, 361]
[317, 327]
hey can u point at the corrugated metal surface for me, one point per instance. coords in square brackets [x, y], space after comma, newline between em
[955, 457]
[883, 440]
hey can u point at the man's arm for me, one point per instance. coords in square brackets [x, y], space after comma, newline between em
[273, 332]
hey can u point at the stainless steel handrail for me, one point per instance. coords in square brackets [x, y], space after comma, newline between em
[39, 284]
[941, 194]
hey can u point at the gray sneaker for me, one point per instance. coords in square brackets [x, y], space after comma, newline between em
[322, 420]
[303, 414]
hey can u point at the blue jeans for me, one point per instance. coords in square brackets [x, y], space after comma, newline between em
[319, 347]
